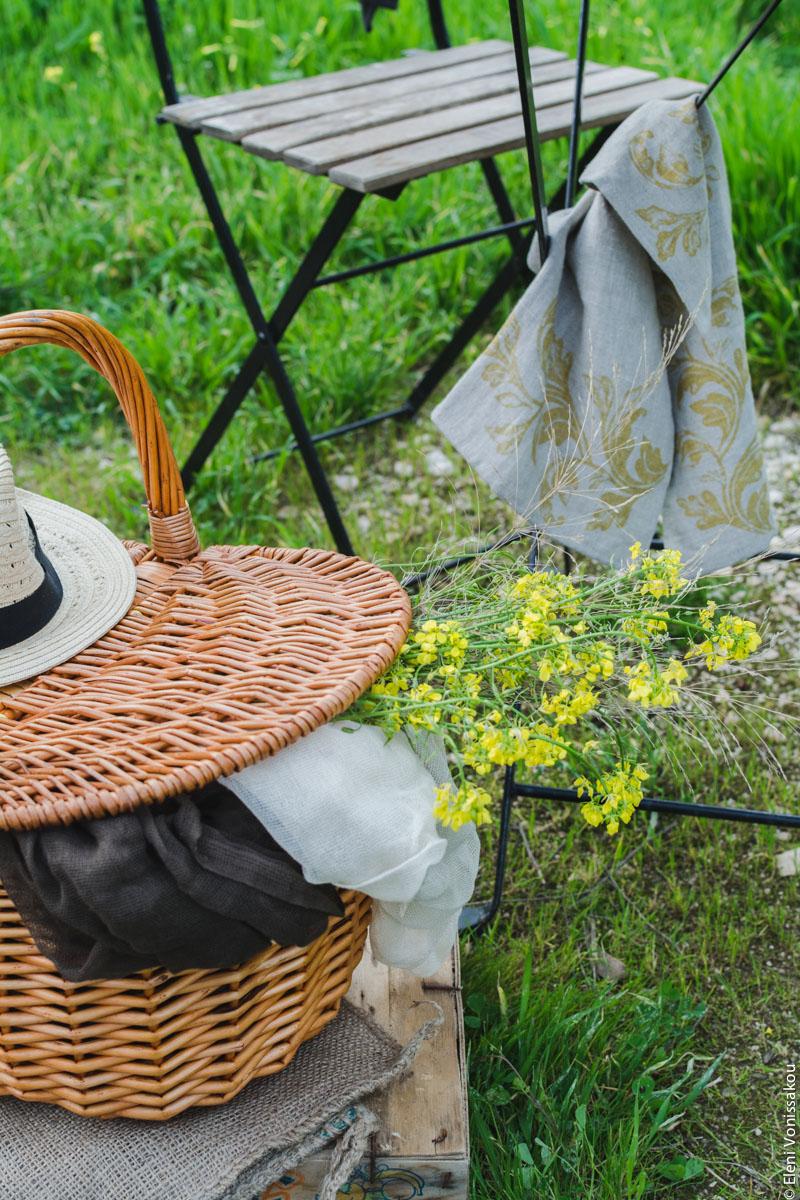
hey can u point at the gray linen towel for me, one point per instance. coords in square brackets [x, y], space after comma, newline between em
[617, 392]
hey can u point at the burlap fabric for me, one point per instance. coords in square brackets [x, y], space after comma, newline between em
[578, 414]
[229, 1153]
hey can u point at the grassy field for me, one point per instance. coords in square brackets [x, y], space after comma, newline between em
[664, 1080]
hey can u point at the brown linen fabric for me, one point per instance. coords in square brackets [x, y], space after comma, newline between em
[194, 882]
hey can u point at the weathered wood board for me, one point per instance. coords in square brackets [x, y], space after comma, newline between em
[422, 1147]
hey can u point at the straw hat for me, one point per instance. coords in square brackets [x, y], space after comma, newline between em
[227, 654]
[65, 580]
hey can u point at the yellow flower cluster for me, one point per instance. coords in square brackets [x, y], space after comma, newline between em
[469, 803]
[510, 673]
[660, 574]
[536, 745]
[614, 797]
[434, 640]
[650, 687]
[732, 638]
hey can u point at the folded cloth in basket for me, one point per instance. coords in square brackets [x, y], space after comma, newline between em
[356, 809]
[194, 882]
[571, 417]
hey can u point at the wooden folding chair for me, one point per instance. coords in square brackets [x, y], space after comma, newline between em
[373, 130]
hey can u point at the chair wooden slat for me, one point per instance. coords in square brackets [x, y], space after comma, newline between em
[234, 126]
[318, 157]
[271, 143]
[192, 113]
[378, 171]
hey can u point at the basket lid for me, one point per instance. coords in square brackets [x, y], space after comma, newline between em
[227, 655]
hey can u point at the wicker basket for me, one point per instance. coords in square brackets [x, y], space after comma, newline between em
[154, 1044]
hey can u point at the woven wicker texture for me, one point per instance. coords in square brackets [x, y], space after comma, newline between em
[226, 656]
[235, 653]
[154, 1044]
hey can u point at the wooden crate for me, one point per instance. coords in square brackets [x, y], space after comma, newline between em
[422, 1147]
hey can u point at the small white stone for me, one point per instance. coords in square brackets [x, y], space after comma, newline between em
[346, 483]
[788, 861]
[438, 464]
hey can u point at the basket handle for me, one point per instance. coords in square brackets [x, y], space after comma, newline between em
[172, 531]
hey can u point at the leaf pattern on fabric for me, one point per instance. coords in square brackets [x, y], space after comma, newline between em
[580, 447]
[725, 302]
[632, 466]
[720, 382]
[690, 229]
[560, 425]
[504, 379]
[686, 112]
[600, 456]
[503, 376]
[665, 168]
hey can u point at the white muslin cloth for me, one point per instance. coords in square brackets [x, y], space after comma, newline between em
[356, 810]
[617, 392]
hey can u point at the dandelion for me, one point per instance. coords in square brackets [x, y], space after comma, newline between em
[52, 74]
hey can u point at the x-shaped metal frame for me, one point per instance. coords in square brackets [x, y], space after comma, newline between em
[269, 330]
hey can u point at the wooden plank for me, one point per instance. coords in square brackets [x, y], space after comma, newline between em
[271, 143]
[443, 1178]
[317, 157]
[195, 111]
[424, 1133]
[378, 171]
[234, 126]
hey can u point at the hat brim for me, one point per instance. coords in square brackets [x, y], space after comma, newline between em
[98, 579]
[238, 653]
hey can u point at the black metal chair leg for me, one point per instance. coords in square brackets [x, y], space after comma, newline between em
[318, 253]
[466, 331]
[476, 916]
[305, 445]
[223, 415]
[266, 346]
[502, 203]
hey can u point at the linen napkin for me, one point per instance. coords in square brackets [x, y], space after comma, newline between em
[355, 809]
[618, 393]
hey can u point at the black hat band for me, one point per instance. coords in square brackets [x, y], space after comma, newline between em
[24, 618]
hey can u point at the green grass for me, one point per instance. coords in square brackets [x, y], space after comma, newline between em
[581, 1088]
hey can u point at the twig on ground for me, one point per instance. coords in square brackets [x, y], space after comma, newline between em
[631, 854]
[730, 1150]
[520, 828]
[590, 937]
[639, 912]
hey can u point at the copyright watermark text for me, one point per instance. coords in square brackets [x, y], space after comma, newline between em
[789, 1124]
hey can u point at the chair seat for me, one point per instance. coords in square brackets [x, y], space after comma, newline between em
[373, 127]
